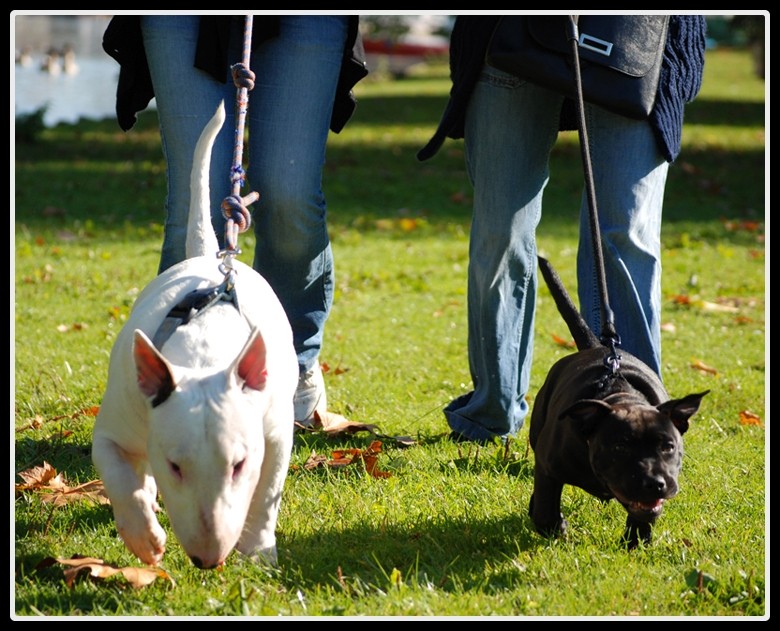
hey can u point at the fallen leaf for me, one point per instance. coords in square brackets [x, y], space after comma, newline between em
[137, 576]
[338, 370]
[38, 421]
[38, 476]
[54, 488]
[93, 491]
[681, 299]
[562, 342]
[314, 461]
[334, 424]
[706, 305]
[341, 458]
[88, 411]
[700, 365]
[748, 418]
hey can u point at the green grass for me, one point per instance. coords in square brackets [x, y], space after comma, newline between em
[447, 534]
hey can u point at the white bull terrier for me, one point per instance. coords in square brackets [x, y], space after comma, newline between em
[207, 417]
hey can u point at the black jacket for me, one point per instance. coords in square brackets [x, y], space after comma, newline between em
[124, 42]
[679, 83]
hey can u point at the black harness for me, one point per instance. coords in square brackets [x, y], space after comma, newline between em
[195, 302]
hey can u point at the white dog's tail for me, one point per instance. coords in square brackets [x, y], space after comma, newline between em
[201, 238]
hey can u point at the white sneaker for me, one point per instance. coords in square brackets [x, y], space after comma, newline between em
[310, 396]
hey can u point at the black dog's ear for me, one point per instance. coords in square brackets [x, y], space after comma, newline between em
[681, 410]
[587, 413]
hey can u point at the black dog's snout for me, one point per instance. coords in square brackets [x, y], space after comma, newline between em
[656, 484]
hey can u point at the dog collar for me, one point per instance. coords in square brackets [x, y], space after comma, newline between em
[191, 305]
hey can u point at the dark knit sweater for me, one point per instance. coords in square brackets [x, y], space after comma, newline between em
[679, 83]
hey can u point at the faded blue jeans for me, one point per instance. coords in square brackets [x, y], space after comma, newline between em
[288, 120]
[511, 127]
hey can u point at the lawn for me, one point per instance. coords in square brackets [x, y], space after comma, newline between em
[445, 532]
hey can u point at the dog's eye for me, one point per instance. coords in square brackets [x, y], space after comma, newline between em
[175, 470]
[667, 446]
[237, 468]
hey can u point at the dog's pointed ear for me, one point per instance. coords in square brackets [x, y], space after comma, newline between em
[153, 372]
[587, 412]
[250, 366]
[681, 410]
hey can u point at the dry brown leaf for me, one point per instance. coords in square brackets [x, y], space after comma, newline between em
[341, 458]
[562, 342]
[332, 424]
[747, 417]
[338, 370]
[137, 576]
[54, 488]
[314, 461]
[93, 491]
[38, 421]
[44, 475]
[701, 366]
[706, 305]
[681, 299]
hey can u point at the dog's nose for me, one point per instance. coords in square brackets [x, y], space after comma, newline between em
[656, 484]
[198, 563]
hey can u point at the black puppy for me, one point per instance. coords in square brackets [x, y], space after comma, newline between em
[614, 433]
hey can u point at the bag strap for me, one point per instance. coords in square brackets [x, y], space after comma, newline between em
[609, 335]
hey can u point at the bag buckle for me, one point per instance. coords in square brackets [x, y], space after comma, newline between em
[595, 44]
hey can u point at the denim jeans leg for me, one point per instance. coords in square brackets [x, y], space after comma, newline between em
[289, 117]
[186, 99]
[510, 129]
[629, 178]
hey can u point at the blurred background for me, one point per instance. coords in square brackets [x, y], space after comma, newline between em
[62, 74]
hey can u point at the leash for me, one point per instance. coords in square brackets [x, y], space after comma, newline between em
[609, 335]
[235, 207]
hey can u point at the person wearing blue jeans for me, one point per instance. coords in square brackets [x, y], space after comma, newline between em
[305, 67]
[509, 127]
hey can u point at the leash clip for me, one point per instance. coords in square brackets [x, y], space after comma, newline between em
[612, 361]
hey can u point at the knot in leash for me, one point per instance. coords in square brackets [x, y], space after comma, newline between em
[235, 208]
[243, 77]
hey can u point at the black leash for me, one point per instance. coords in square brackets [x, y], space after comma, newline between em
[609, 335]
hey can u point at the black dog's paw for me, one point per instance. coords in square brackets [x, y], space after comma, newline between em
[554, 528]
[635, 532]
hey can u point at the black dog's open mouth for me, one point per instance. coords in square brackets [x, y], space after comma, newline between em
[645, 509]
[648, 510]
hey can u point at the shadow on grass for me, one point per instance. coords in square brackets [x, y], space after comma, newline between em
[94, 174]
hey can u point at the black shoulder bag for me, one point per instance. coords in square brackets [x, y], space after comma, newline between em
[620, 56]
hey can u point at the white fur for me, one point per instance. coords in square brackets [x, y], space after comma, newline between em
[219, 446]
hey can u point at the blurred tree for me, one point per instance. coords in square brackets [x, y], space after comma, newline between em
[752, 28]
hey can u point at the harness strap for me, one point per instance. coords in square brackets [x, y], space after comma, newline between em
[194, 303]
